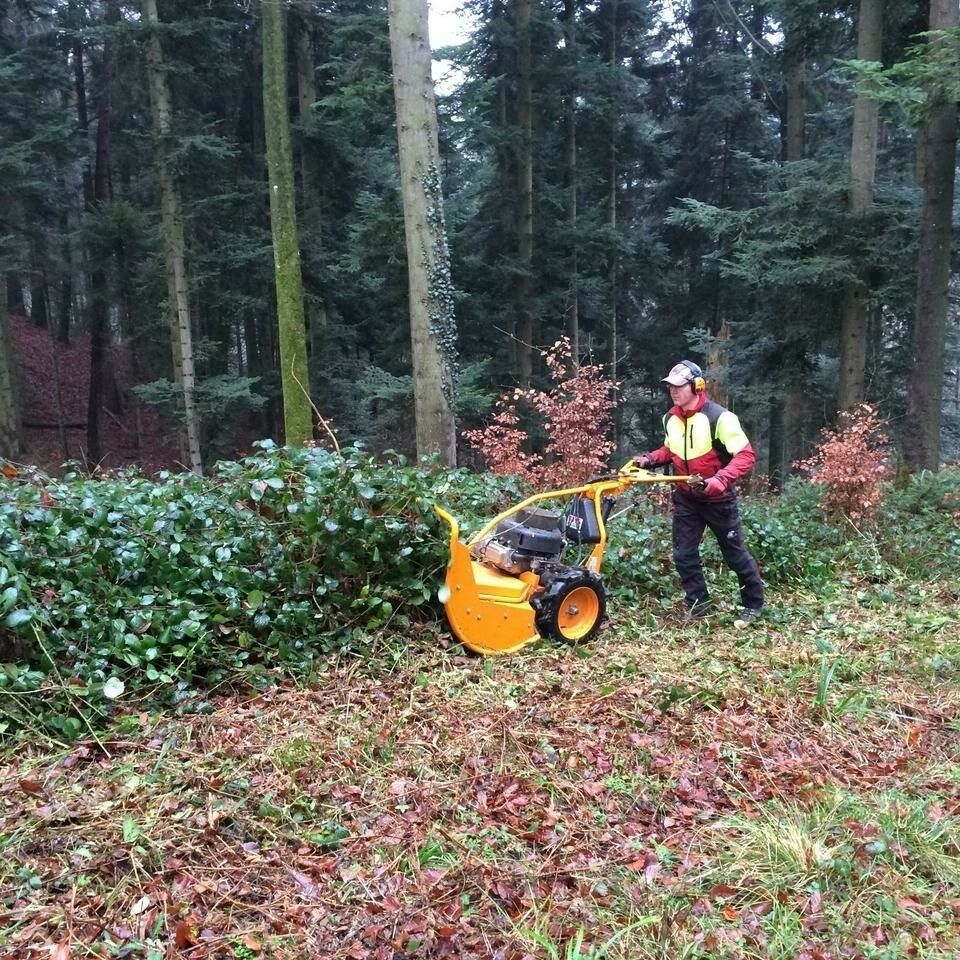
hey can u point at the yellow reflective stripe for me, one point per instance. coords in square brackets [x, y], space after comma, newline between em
[730, 433]
[696, 443]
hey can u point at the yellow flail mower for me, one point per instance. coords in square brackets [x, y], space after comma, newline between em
[510, 586]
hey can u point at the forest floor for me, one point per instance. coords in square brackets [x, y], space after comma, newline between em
[788, 790]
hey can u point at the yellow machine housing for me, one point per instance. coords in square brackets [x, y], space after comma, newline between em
[495, 612]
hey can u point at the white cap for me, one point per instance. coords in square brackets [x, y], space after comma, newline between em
[679, 375]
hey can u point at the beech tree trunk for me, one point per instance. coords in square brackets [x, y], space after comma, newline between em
[863, 163]
[937, 151]
[432, 326]
[524, 304]
[297, 415]
[174, 244]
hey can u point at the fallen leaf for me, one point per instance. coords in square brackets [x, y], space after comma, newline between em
[30, 785]
[306, 885]
[183, 935]
[142, 904]
[61, 952]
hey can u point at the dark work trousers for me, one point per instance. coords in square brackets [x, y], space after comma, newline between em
[691, 516]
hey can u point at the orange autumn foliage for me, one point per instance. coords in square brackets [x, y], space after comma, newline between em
[851, 462]
[577, 414]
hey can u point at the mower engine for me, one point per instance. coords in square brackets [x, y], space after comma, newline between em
[532, 536]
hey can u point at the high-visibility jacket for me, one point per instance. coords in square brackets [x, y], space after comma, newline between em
[689, 444]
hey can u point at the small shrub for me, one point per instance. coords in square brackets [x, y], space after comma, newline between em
[851, 463]
[577, 416]
[501, 443]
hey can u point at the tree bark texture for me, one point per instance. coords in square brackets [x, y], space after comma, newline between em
[572, 312]
[9, 407]
[523, 10]
[311, 206]
[613, 263]
[432, 326]
[291, 328]
[786, 433]
[174, 244]
[937, 149]
[863, 163]
[99, 294]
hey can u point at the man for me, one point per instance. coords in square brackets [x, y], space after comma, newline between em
[705, 440]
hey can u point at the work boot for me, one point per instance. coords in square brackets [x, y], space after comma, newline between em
[750, 613]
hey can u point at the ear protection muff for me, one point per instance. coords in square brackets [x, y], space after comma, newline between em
[699, 384]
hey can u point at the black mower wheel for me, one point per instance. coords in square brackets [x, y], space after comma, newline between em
[572, 607]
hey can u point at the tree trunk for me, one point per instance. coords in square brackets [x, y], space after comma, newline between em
[99, 305]
[524, 305]
[572, 312]
[66, 281]
[719, 359]
[13, 291]
[757, 26]
[937, 150]
[294, 379]
[794, 142]
[863, 162]
[432, 325]
[9, 407]
[39, 303]
[613, 267]
[310, 178]
[787, 426]
[174, 244]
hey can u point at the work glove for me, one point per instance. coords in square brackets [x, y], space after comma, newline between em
[715, 487]
[644, 461]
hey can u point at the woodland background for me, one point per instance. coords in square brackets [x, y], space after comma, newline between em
[652, 179]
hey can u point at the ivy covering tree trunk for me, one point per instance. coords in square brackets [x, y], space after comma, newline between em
[863, 164]
[937, 153]
[432, 325]
[297, 417]
[174, 245]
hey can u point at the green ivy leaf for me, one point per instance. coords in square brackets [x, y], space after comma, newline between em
[16, 618]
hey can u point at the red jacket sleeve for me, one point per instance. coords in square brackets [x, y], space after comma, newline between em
[660, 457]
[739, 466]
